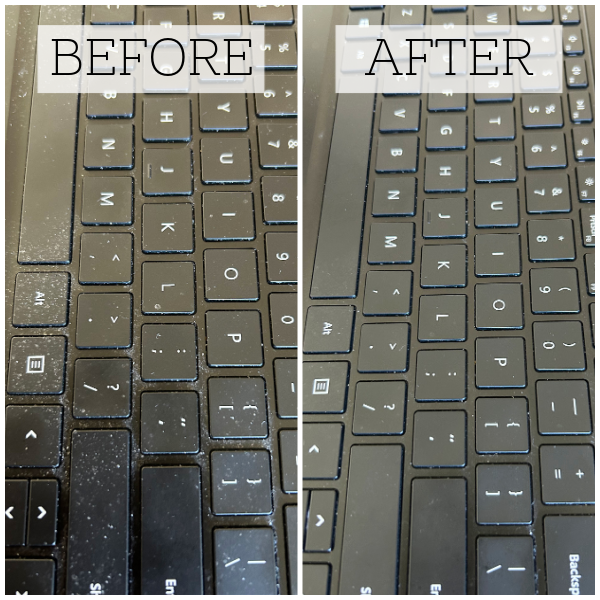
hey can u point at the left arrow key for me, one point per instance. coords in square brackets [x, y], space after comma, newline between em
[43, 508]
[15, 509]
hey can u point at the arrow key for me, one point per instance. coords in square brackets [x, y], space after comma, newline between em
[15, 508]
[322, 450]
[43, 508]
[320, 521]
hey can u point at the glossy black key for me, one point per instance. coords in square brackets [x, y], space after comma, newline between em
[504, 494]
[558, 346]
[233, 338]
[554, 290]
[106, 258]
[441, 375]
[280, 199]
[379, 408]
[397, 154]
[167, 120]
[567, 474]
[326, 387]
[495, 122]
[279, 98]
[108, 146]
[43, 512]
[495, 163]
[388, 293]
[395, 196]
[29, 576]
[15, 511]
[168, 172]
[285, 387]
[391, 243]
[281, 257]
[584, 143]
[543, 150]
[167, 228]
[107, 201]
[169, 352]
[586, 183]
[442, 318]
[444, 266]
[282, 313]
[383, 348]
[446, 173]
[322, 447]
[500, 363]
[103, 321]
[499, 306]
[506, 564]
[492, 211]
[288, 455]
[228, 216]
[41, 299]
[541, 110]
[230, 274]
[223, 112]
[501, 425]
[400, 114]
[547, 192]
[563, 407]
[551, 240]
[497, 254]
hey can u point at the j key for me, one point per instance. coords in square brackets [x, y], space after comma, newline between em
[497, 254]
[102, 388]
[233, 338]
[400, 114]
[280, 199]
[282, 310]
[569, 544]
[107, 201]
[588, 225]
[397, 154]
[505, 564]
[584, 142]
[326, 387]
[285, 387]
[281, 257]
[29, 576]
[383, 348]
[223, 112]
[407, 16]
[241, 482]
[442, 318]
[499, 306]
[554, 290]
[569, 14]
[439, 439]
[316, 579]
[446, 132]
[444, 218]
[99, 478]
[388, 293]
[15, 502]
[108, 146]
[500, 363]
[106, 258]
[167, 172]
[374, 489]
[590, 273]
[541, 14]
[547, 192]
[225, 160]
[395, 196]
[441, 375]
[167, 120]
[544, 150]
[288, 455]
[278, 146]
[495, 163]
[112, 15]
[576, 73]
[43, 509]
[541, 110]
[328, 329]
[36, 365]
[230, 275]
[447, 102]
[103, 321]
[41, 300]
[169, 423]
[558, 346]
[567, 474]
[586, 183]
[551, 239]
[245, 561]
[228, 216]
[391, 243]
[169, 526]
[491, 211]
[279, 50]
[223, 16]
[379, 408]
[504, 494]
[168, 288]
[320, 521]
[502, 425]
[444, 266]
[438, 534]
[446, 173]
[237, 407]
[169, 353]
[572, 41]
[580, 107]
[110, 104]
[271, 15]
[563, 407]
[494, 123]
[279, 98]
[167, 228]
[322, 450]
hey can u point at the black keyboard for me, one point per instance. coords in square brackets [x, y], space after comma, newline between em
[449, 345]
[151, 327]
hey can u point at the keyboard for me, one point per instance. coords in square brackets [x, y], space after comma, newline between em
[448, 354]
[151, 326]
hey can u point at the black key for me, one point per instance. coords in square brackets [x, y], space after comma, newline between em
[445, 218]
[586, 183]
[108, 146]
[280, 199]
[446, 173]
[497, 254]
[441, 375]
[282, 312]
[15, 502]
[388, 293]
[444, 266]
[576, 72]
[31, 577]
[279, 50]
[36, 365]
[285, 387]
[237, 407]
[580, 107]
[547, 192]
[107, 201]
[112, 15]
[558, 346]
[500, 363]
[169, 352]
[551, 240]
[233, 338]
[563, 407]
[103, 321]
[397, 154]
[541, 110]
[541, 14]
[169, 526]
[572, 41]
[584, 143]
[169, 423]
[442, 318]
[442, 18]
[544, 150]
[223, 112]
[495, 163]
[106, 258]
[364, 24]
[278, 146]
[491, 211]
[167, 120]
[288, 454]
[281, 251]
[322, 448]
[223, 16]
[383, 348]
[569, 544]
[567, 474]
[569, 14]
[291, 537]
[320, 521]
[494, 123]
[168, 172]
[99, 478]
[588, 225]
[592, 321]
[499, 306]
[407, 16]
[502, 425]
[43, 509]
[395, 197]
[245, 561]
[271, 15]
[316, 579]
[400, 114]
[228, 216]
[447, 102]
[379, 408]
[110, 104]
[374, 489]
[437, 560]
[504, 494]
[167, 228]
[41, 299]
[279, 98]
[590, 273]
[554, 291]
[241, 482]
[230, 274]
[439, 438]
[491, 19]
[391, 243]
[506, 565]
[326, 387]
[446, 132]
[166, 17]
[442, 8]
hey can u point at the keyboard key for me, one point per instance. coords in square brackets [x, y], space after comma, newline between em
[541, 14]
[543, 150]
[441, 375]
[169, 352]
[580, 107]
[446, 132]
[282, 313]
[108, 146]
[233, 338]
[572, 41]
[43, 509]
[500, 363]
[442, 318]
[281, 251]
[15, 501]
[230, 274]
[439, 438]
[271, 15]
[554, 291]
[166, 17]
[41, 299]
[285, 387]
[291, 531]
[563, 407]
[497, 254]
[499, 306]
[584, 143]
[277, 145]
[590, 273]
[388, 293]
[288, 455]
[502, 425]
[228, 216]
[395, 196]
[569, 14]
[446, 173]
[168, 172]
[391, 243]
[504, 494]
[576, 72]
[567, 474]
[280, 51]
[322, 447]
[280, 200]
[547, 192]
[107, 201]
[586, 183]
[316, 579]
[223, 112]
[445, 218]
[495, 163]
[36, 365]
[397, 154]
[320, 521]
[112, 15]
[223, 16]
[444, 266]
[106, 258]
[167, 228]
[447, 102]
[406, 16]
[494, 122]
[109, 104]
[491, 211]
[29, 576]
[279, 98]
[383, 348]
[167, 120]
[103, 321]
[541, 110]
[379, 408]
[558, 346]
[400, 114]
[326, 387]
